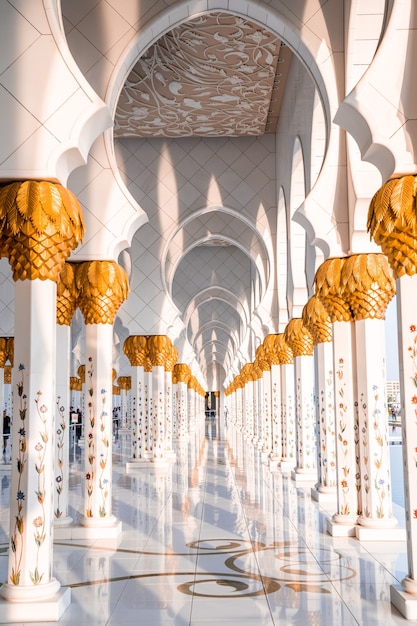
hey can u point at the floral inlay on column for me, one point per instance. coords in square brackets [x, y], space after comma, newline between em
[90, 457]
[16, 539]
[41, 493]
[104, 456]
[60, 443]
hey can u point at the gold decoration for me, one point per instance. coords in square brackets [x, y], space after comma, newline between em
[81, 373]
[115, 390]
[158, 347]
[192, 383]
[299, 338]
[330, 289]
[262, 359]
[102, 287]
[317, 320]
[171, 359]
[3, 351]
[135, 348]
[8, 375]
[369, 285]
[284, 351]
[270, 347]
[181, 373]
[66, 295]
[247, 373]
[41, 222]
[392, 223]
[76, 384]
[125, 382]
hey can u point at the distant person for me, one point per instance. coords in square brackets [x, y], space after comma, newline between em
[6, 430]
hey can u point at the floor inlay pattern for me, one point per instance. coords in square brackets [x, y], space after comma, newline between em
[216, 537]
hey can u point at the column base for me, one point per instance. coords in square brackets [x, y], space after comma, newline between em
[379, 530]
[320, 493]
[59, 522]
[404, 602]
[274, 464]
[91, 528]
[303, 475]
[286, 465]
[50, 609]
[342, 525]
[146, 464]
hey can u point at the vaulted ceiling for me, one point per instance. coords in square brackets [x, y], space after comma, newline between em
[218, 75]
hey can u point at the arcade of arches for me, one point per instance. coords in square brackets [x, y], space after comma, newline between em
[206, 208]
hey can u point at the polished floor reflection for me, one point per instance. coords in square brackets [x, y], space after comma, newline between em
[216, 538]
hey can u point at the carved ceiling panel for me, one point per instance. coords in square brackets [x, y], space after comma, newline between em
[216, 75]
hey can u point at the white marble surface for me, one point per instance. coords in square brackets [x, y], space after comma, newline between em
[217, 538]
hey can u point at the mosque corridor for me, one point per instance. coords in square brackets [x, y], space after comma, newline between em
[217, 538]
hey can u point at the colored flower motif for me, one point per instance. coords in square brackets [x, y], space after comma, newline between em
[38, 521]
[414, 399]
[38, 447]
[413, 328]
[20, 495]
[344, 484]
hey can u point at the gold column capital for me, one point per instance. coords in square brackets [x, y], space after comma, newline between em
[284, 351]
[81, 373]
[299, 338]
[392, 223]
[158, 349]
[135, 348]
[8, 375]
[317, 320]
[270, 347]
[171, 359]
[369, 285]
[329, 288]
[192, 382]
[102, 287]
[76, 384]
[41, 222]
[181, 373]
[66, 295]
[3, 351]
[125, 382]
[261, 359]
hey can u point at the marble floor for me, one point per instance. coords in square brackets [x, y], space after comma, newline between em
[217, 538]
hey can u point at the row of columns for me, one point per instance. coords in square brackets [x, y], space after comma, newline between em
[324, 383]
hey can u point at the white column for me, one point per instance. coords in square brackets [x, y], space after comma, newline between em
[348, 506]
[276, 452]
[29, 578]
[288, 417]
[98, 433]
[182, 411]
[62, 424]
[305, 418]
[266, 414]
[325, 489]
[169, 412]
[158, 418]
[404, 596]
[376, 519]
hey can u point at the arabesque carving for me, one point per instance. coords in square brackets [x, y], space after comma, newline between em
[41, 222]
[102, 287]
[392, 223]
